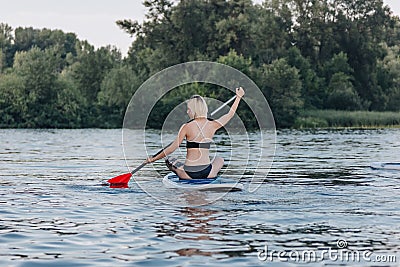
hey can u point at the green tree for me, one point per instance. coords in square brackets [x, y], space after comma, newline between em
[342, 94]
[338, 75]
[338, 63]
[117, 88]
[270, 30]
[91, 67]
[12, 101]
[38, 69]
[24, 38]
[157, 34]
[388, 76]
[242, 64]
[234, 29]
[70, 104]
[393, 31]
[88, 71]
[284, 92]
[2, 60]
[6, 46]
[312, 30]
[312, 91]
[238, 62]
[360, 28]
[192, 29]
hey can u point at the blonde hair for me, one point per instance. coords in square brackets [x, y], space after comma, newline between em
[197, 106]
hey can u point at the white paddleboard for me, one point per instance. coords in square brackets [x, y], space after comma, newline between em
[171, 180]
[385, 166]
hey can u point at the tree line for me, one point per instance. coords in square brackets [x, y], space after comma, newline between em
[302, 54]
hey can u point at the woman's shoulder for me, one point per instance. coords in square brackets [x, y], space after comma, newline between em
[189, 121]
[210, 123]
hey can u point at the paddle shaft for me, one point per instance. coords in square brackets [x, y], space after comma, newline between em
[223, 105]
[145, 163]
[162, 149]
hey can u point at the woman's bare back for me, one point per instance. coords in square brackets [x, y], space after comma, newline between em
[200, 130]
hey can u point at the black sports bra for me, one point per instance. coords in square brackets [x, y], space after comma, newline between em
[191, 144]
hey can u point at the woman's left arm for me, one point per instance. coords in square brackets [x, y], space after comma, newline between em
[175, 144]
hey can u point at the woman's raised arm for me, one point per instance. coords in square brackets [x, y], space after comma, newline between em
[228, 116]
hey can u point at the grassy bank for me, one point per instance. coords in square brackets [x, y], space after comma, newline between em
[353, 119]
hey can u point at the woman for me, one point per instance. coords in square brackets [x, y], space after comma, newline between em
[198, 132]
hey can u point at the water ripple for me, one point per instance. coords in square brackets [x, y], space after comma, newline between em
[54, 211]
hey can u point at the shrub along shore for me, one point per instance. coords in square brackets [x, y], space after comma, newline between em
[347, 119]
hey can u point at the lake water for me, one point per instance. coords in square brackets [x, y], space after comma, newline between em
[320, 197]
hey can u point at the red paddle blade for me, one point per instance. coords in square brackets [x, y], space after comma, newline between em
[121, 179]
[119, 186]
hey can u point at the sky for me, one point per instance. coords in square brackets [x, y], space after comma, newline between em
[91, 20]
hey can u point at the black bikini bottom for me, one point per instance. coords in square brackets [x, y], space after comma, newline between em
[198, 172]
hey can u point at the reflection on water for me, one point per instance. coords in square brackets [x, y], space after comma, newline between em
[319, 190]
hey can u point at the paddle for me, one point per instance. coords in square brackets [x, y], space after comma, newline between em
[123, 179]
